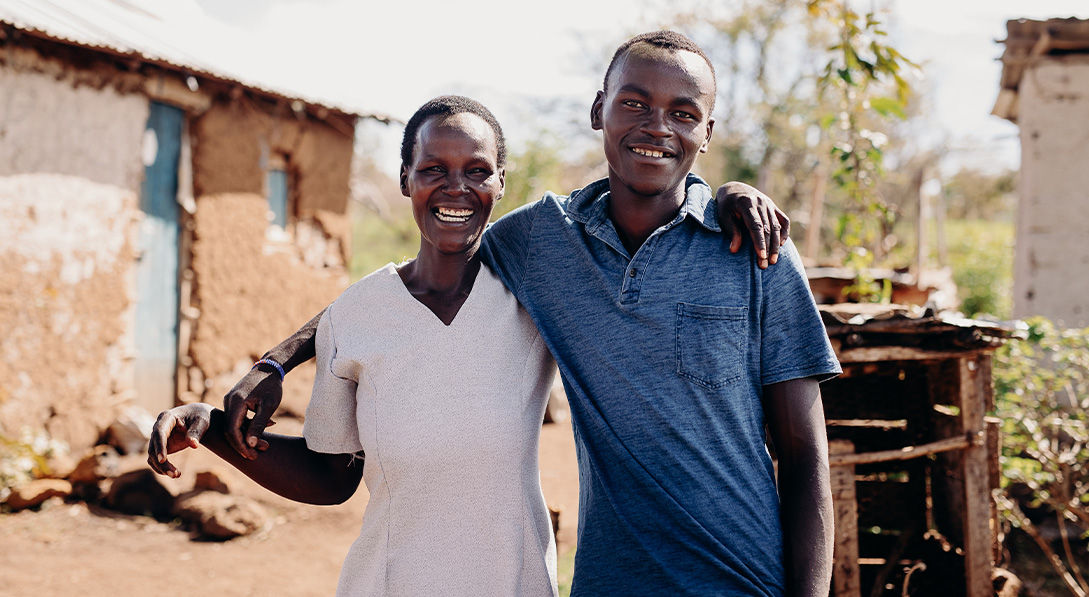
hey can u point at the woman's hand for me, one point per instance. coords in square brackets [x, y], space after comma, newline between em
[741, 206]
[175, 430]
[259, 391]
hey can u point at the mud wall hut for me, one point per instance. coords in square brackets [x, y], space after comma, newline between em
[161, 223]
[1045, 90]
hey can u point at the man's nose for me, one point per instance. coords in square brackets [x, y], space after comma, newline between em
[656, 124]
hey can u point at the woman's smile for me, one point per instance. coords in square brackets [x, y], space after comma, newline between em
[453, 216]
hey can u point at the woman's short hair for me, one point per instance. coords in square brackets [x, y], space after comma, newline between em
[449, 105]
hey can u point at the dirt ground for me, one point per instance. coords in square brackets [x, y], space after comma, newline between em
[72, 549]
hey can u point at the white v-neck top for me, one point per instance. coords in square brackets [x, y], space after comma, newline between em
[448, 420]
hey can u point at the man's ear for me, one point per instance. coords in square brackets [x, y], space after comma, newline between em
[595, 111]
[404, 180]
[710, 127]
[502, 183]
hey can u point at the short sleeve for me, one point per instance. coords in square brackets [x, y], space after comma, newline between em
[505, 246]
[795, 343]
[330, 426]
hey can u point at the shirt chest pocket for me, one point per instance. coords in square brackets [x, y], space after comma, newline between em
[710, 341]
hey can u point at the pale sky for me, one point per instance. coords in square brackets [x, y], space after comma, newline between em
[955, 41]
[390, 57]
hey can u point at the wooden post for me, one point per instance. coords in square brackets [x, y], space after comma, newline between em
[939, 219]
[845, 572]
[183, 394]
[978, 562]
[994, 447]
[921, 249]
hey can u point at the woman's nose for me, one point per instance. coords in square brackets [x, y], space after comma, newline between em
[456, 184]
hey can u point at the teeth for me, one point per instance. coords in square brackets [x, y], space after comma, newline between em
[649, 152]
[453, 215]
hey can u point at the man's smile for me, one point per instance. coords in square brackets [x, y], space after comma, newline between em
[652, 153]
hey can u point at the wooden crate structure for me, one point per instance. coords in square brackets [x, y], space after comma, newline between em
[913, 455]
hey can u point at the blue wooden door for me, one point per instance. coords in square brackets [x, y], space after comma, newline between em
[157, 271]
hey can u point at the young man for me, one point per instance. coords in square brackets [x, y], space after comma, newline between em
[674, 353]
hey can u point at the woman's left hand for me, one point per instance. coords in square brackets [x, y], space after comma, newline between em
[175, 430]
[741, 204]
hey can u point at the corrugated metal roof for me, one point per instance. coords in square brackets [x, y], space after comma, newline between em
[172, 34]
[862, 333]
[1027, 42]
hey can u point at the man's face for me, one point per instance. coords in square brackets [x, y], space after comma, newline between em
[656, 117]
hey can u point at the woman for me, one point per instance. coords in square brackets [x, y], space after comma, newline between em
[431, 386]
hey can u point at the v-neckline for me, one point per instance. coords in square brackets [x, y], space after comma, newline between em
[457, 316]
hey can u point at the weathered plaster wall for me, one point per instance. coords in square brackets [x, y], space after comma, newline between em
[227, 152]
[253, 288]
[70, 171]
[1051, 264]
[59, 120]
[324, 160]
[65, 275]
[251, 294]
[233, 144]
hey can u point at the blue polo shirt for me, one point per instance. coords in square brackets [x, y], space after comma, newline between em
[664, 355]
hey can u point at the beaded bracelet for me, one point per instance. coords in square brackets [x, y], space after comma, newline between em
[274, 365]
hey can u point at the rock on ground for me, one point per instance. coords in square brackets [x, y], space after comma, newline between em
[38, 491]
[219, 516]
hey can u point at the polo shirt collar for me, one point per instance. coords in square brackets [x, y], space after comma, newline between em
[589, 205]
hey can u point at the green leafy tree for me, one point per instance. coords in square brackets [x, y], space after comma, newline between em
[973, 194]
[866, 76]
[537, 168]
[810, 92]
[560, 155]
[1042, 397]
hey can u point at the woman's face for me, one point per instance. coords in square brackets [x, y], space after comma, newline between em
[453, 181]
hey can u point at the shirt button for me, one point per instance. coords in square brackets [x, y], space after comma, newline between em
[631, 273]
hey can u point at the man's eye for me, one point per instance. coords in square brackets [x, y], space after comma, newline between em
[684, 115]
[632, 104]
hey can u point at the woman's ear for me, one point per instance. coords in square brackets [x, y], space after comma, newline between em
[404, 180]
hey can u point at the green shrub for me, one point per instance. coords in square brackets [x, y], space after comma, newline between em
[981, 257]
[1042, 399]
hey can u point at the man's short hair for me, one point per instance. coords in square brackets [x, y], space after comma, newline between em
[445, 106]
[666, 40]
